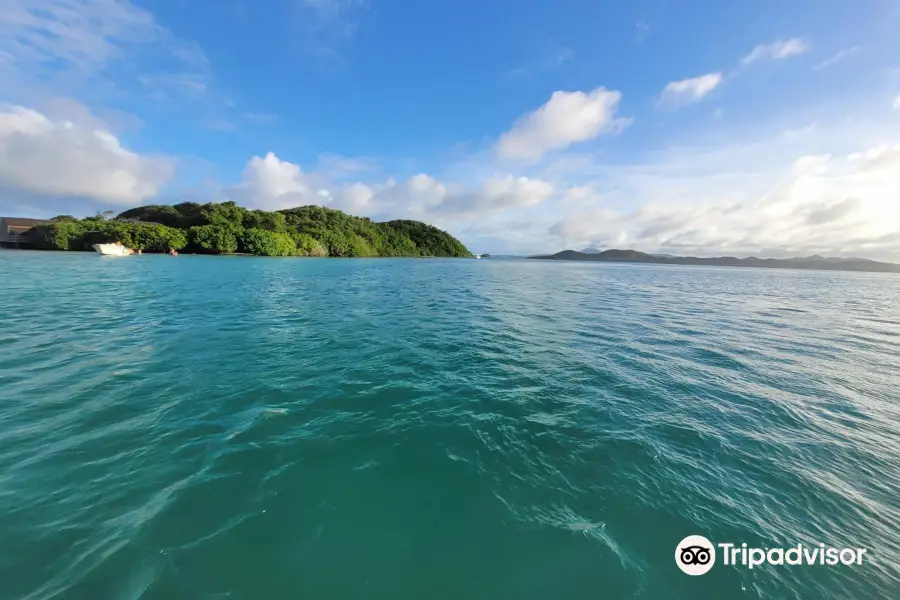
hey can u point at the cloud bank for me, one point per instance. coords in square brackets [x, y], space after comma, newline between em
[691, 202]
[42, 156]
[826, 204]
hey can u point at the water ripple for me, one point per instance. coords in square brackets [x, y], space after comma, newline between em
[248, 428]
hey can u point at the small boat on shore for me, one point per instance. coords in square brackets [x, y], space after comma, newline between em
[112, 249]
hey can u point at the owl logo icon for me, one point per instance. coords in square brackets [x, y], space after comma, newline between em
[695, 555]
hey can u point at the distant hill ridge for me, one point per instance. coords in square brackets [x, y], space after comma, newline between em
[809, 262]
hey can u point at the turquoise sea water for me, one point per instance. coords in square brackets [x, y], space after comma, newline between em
[243, 428]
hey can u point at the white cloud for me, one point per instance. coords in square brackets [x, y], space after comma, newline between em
[567, 118]
[426, 198]
[97, 50]
[796, 187]
[832, 60]
[175, 86]
[84, 39]
[270, 183]
[776, 50]
[510, 192]
[415, 198]
[427, 189]
[787, 193]
[272, 177]
[686, 91]
[82, 34]
[46, 157]
[355, 199]
[839, 204]
[343, 167]
[896, 104]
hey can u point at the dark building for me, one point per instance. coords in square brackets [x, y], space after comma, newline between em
[14, 232]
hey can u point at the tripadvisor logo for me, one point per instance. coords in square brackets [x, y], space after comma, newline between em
[696, 555]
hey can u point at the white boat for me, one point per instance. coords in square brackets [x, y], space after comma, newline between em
[112, 250]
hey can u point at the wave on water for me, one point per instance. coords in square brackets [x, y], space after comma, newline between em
[257, 429]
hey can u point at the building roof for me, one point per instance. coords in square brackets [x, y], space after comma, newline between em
[17, 222]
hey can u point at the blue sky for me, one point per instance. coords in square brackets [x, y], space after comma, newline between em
[690, 127]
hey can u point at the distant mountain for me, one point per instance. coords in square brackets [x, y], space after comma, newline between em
[591, 250]
[808, 262]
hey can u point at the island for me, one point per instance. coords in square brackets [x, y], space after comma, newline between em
[808, 262]
[226, 228]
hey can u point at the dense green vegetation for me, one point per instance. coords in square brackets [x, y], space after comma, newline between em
[79, 234]
[226, 228]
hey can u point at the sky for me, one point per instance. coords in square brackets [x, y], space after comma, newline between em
[700, 127]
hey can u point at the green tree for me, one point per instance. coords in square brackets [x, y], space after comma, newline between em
[270, 221]
[67, 235]
[359, 246]
[224, 214]
[307, 245]
[213, 239]
[165, 215]
[116, 231]
[267, 243]
[182, 216]
[189, 214]
[158, 238]
[336, 242]
[429, 240]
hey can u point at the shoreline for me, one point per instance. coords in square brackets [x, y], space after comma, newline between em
[230, 254]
